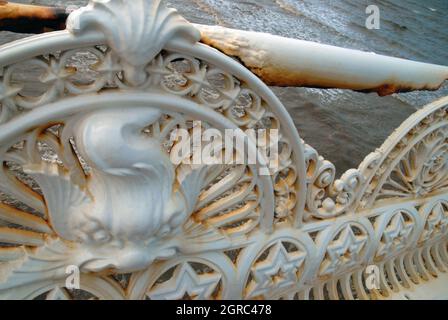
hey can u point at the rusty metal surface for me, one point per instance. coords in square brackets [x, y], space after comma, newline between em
[288, 62]
[278, 61]
[214, 231]
[30, 18]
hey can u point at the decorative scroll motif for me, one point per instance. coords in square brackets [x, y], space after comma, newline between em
[412, 163]
[87, 179]
[327, 197]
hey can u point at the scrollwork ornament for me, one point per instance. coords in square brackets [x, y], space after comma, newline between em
[327, 197]
[87, 179]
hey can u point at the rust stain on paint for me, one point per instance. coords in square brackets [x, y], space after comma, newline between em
[280, 76]
[30, 18]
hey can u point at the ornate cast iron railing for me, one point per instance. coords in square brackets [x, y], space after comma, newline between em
[87, 180]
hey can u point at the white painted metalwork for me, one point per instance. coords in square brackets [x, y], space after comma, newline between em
[280, 61]
[87, 180]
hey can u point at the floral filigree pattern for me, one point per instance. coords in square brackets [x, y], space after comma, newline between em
[411, 163]
[87, 182]
[150, 26]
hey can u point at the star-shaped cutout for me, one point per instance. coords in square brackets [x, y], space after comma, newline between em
[185, 282]
[8, 105]
[395, 235]
[277, 271]
[157, 70]
[58, 293]
[227, 95]
[56, 76]
[108, 68]
[199, 80]
[436, 224]
[343, 252]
